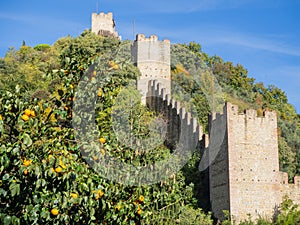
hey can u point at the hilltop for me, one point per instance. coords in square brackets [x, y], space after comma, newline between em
[44, 78]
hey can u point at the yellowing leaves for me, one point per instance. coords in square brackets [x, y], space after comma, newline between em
[100, 92]
[61, 164]
[74, 195]
[99, 194]
[52, 118]
[180, 69]
[47, 111]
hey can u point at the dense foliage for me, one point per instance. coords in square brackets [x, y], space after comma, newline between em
[44, 177]
[238, 88]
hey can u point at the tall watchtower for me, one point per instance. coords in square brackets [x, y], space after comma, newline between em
[152, 57]
[244, 176]
[104, 24]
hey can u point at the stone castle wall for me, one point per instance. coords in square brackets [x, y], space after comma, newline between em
[152, 57]
[242, 149]
[104, 24]
[218, 164]
[291, 190]
[182, 128]
[245, 177]
[254, 163]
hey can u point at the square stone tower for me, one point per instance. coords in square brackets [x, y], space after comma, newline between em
[104, 24]
[244, 174]
[152, 57]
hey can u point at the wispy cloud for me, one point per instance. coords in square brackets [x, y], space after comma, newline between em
[253, 41]
[221, 36]
[46, 22]
[179, 6]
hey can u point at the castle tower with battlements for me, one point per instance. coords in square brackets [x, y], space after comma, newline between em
[104, 24]
[244, 174]
[152, 57]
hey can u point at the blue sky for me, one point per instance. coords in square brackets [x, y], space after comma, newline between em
[262, 35]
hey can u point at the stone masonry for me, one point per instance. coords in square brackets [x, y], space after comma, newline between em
[241, 149]
[244, 177]
[104, 24]
[152, 57]
[182, 128]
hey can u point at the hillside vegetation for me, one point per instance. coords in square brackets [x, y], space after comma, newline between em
[45, 179]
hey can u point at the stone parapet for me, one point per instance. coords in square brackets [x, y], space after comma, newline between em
[104, 24]
[182, 127]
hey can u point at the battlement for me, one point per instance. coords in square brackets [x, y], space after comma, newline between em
[108, 16]
[247, 117]
[182, 126]
[240, 164]
[292, 190]
[104, 24]
[284, 178]
[142, 37]
[244, 149]
[249, 114]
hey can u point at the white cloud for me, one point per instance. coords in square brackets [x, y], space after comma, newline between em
[220, 36]
[181, 6]
[251, 41]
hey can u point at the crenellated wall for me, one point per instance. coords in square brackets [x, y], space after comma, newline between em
[244, 176]
[104, 24]
[242, 153]
[182, 127]
[241, 149]
[292, 190]
[254, 164]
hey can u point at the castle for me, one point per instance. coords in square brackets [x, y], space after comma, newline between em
[240, 149]
[152, 57]
[104, 24]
